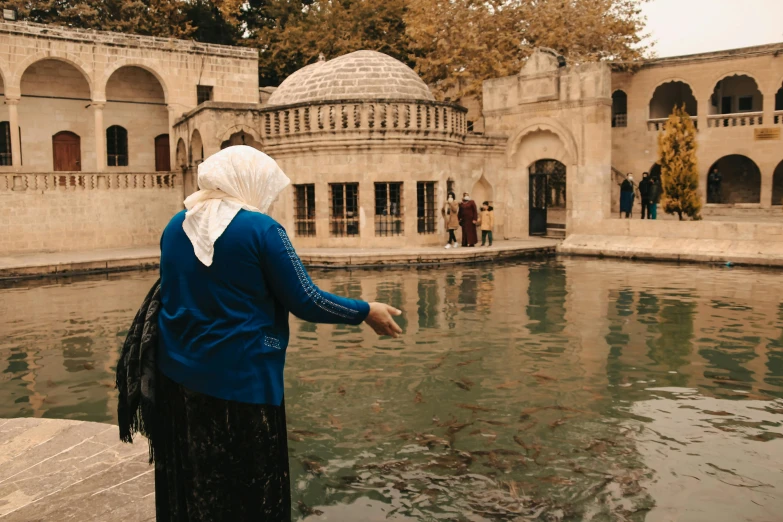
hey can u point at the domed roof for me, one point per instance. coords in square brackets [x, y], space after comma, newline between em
[360, 75]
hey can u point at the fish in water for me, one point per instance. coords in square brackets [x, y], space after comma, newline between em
[463, 383]
[306, 510]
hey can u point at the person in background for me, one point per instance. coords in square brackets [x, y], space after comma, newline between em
[468, 217]
[714, 179]
[644, 194]
[229, 277]
[487, 222]
[654, 197]
[450, 213]
[627, 196]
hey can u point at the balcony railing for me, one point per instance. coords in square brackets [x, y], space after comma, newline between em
[740, 119]
[78, 181]
[360, 118]
[656, 124]
[778, 117]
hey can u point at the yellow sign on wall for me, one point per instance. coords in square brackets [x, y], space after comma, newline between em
[767, 134]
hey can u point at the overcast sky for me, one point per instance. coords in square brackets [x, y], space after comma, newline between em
[695, 26]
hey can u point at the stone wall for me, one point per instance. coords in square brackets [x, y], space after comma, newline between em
[85, 211]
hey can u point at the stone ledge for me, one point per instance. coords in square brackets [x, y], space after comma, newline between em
[64, 264]
[734, 252]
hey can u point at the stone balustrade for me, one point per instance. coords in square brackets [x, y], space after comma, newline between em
[435, 119]
[735, 120]
[778, 117]
[80, 181]
[656, 124]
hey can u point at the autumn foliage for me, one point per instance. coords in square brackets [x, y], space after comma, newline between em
[677, 157]
[453, 44]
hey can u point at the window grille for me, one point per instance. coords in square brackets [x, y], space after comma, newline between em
[388, 209]
[344, 210]
[5, 144]
[203, 94]
[116, 146]
[304, 210]
[425, 207]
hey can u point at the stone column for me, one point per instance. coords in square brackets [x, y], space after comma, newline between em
[100, 136]
[172, 143]
[768, 109]
[13, 124]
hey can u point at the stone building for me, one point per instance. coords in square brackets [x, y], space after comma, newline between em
[86, 160]
[370, 152]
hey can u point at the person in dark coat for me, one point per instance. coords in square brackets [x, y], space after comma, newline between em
[644, 193]
[468, 217]
[627, 196]
[654, 196]
[713, 185]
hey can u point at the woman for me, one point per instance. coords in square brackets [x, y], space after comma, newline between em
[468, 217]
[450, 213]
[627, 196]
[229, 278]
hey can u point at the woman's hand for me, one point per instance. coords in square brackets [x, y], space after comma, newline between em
[380, 319]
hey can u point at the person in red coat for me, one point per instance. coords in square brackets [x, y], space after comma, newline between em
[468, 217]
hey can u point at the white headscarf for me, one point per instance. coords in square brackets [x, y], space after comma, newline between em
[235, 178]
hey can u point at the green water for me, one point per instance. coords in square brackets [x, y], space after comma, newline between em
[559, 390]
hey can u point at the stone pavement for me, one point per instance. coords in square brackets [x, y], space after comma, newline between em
[67, 470]
[101, 261]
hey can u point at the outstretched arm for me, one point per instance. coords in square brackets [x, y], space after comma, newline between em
[291, 284]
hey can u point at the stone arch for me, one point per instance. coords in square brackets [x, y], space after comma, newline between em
[15, 87]
[736, 89]
[779, 96]
[182, 154]
[196, 153]
[668, 93]
[740, 183]
[119, 64]
[231, 131]
[570, 153]
[482, 191]
[777, 185]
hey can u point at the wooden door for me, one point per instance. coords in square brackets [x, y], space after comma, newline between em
[67, 152]
[162, 154]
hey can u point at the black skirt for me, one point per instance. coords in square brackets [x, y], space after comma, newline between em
[219, 460]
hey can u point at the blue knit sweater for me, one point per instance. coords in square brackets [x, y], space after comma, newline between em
[224, 328]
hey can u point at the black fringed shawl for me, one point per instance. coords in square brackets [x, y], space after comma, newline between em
[136, 372]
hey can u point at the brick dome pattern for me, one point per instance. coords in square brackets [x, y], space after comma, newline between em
[361, 75]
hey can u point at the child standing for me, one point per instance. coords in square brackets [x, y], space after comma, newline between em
[487, 222]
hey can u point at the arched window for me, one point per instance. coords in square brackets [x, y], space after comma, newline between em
[116, 146]
[619, 109]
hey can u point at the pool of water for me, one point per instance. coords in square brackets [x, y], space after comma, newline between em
[560, 390]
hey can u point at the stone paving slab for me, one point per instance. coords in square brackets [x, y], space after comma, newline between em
[67, 470]
[103, 261]
[714, 251]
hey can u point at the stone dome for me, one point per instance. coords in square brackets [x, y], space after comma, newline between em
[361, 75]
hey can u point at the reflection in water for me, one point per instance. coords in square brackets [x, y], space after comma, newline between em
[531, 389]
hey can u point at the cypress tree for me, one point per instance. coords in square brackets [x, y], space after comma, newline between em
[677, 157]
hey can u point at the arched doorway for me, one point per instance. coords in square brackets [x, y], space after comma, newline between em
[547, 196]
[734, 95]
[777, 185]
[55, 97]
[136, 100]
[740, 181]
[66, 152]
